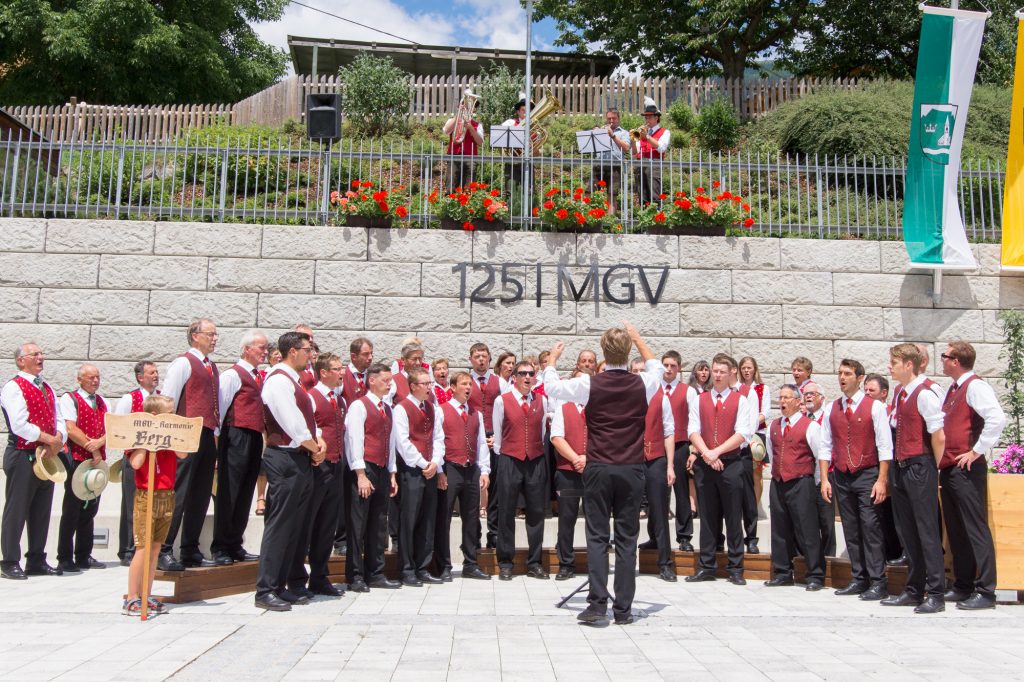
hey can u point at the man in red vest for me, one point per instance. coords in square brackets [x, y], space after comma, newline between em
[321, 520]
[370, 448]
[192, 383]
[650, 149]
[487, 386]
[857, 446]
[147, 376]
[680, 397]
[659, 477]
[814, 408]
[519, 428]
[919, 444]
[353, 387]
[461, 173]
[33, 418]
[240, 451]
[83, 412]
[294, 447]
[793, 443]
[973, 423]
[569, 439]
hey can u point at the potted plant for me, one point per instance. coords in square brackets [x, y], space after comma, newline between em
[475, 207]
[697, 215]
[364, 206]
[576, 210]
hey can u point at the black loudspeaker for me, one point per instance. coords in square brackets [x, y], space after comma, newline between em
[323, 117]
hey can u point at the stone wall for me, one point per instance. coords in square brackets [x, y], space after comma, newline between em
[115, 292]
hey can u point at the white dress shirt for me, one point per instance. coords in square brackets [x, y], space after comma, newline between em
[661, 144]
[404, 445]
[503, 386]
[13, 402]
[483, 453]
[230, 385]
[983, 400]
[578, 390]
[813, 436]
[178, 374]
[124, 404]
[69, 408]
[929, 404]
[879, 419]
[279, 396]
[744, 421]
[498, 417]
[764, 409]
[355, 434]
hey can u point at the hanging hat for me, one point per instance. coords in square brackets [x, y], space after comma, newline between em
[757, 450]
[650, 107]
[117, 471]
[49, 468]
[89, 479]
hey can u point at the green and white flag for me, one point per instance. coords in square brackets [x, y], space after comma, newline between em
[933, 229]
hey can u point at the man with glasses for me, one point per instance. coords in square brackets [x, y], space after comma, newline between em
[608, 169]
[813, 402]
[240, 452]
[294, 447]
[192, 383]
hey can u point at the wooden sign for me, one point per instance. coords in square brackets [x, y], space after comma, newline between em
[141, 430]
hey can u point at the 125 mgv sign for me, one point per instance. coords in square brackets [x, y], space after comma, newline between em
[506, 282]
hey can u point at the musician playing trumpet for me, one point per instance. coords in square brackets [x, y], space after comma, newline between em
[651, 144]
[609, 166]
[465, 137]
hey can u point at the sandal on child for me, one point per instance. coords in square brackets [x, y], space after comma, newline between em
[157, 606]
[132, 607]
[261, 506]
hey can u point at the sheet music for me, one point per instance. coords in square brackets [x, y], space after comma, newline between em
[508, 137]
[593, 141]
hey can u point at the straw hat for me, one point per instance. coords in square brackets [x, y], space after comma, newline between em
[89, 479]
[117, 471]
[49, 468]
[757, 450]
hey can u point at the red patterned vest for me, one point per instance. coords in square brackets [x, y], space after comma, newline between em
[792, 456]
[483, 400]
[680, 411]
[442, 394]
[912, 437]
[521, 430]
[648, 150]
[401, 388]
[307, 379]
[90, 421]
[137, 400]
[42, 412]
[199, 394]
[468, 145]
[853, 441]
[421, 426]
[654, 429]
[575, 433]
[719, 425]
[276, 436]
[460, 437]
[962, 424]
[331, 421]
[376, 433]
[352, 388]
[246, 409]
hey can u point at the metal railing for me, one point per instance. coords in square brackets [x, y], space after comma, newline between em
[282, 181]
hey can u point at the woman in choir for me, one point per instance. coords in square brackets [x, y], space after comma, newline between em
[700, 376]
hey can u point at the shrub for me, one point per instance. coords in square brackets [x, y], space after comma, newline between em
[375, 94]
[717, 126]
[681, 117]
[499, 92]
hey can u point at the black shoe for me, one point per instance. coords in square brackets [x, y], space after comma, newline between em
[301, 591]
[292, 598]
[685, 546]
[446, 575]
[472, 572]
[854, 588]
[126, 560]
[814, 586]
[411, 581]
[537, 572]
[325, 589]
[901, 560]
[565, 574]
[720, 548]
[340, 549]
[702, 576]
[931, 604]
[90, 562]
[737, 579]
[504, 574]
[271, 602]
[667, 574]
[42, 569]
[593, 614]
[877, 592]
[752, 547]
[783, 580]
[976, 602]
[222, 560]
[196, 560]
[167, 562]
[648, 544]
[382, 582]
[68, 566]
[242, 555]
[358, 585]
[956, 595]
[623, 619]
[901, 599]
[428, 579]
[13, 572]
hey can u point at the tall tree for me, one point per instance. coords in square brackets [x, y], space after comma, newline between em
[668, 37]
[135, 51]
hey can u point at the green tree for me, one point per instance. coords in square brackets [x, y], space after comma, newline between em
[135, 51]
[667, 37]
[499, 92]
[375, 94]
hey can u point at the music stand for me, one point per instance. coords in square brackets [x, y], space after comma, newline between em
[593, 141]
[508, 137]
[586, 583]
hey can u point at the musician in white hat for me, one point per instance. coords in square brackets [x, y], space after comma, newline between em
[650, 149]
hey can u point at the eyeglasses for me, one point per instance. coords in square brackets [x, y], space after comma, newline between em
[37, 354]
[946, 356]
[812, 395]
[212, 335]
[305, 349]
[421, 383]
[525, 373]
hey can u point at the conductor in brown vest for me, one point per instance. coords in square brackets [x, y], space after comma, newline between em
[615, 402]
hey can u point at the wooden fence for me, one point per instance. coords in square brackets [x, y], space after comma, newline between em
[432, 96]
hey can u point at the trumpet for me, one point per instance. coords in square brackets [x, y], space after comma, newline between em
[463, 115]
[634, 134]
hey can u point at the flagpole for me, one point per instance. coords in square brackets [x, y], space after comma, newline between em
[528, 143]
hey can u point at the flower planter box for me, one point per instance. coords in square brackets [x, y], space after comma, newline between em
[575, 229]
[478, 225]
[362, 221]
[1006, 519]
[688, 230]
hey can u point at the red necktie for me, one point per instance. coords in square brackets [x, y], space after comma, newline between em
[526, 407]
[465, 415]
[208, 366]
[257, 377]
[849, 409]
[718, 405]
[380, 408]
[483, 383]
[334, 402]
[668, 391]
[423, 409]
[785, 431]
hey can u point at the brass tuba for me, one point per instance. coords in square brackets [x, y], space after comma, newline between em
[548, 105]
[463, 115]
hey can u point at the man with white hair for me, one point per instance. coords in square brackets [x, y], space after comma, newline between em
[814, 402]
[240, 450]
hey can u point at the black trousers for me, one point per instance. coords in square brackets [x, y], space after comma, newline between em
[367, 522]
[77, 520]
[193, 487]
[720, 498]
[827, 524]
[318, 526]
[126, 529]
[418, 511]
[749, 499]
[965, 511]
[915, 495]
[492, 502]
[569, 485]
[656, 485]
[27, 501]
[793, 523]
[893, 544]
[394, 518]
[647, 177]
[463, 488]
[289, 488]
[239, 458]
[341, 530]
[612, 490]
[681, 490]
[862, 524]
[531, 478]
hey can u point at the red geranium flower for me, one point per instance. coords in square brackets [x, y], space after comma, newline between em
[686, 205]
[748, 222]
[379, 196]
[401, 212]
[663, 196]
[468, 226]
[495, 192]
[551, 192]
[562, 214]
[355, 183]
[716, 183]
[618, 228]
[383, 206]
[586, 200]
[536, 211]
[700, 190]
[433, 197]
[746, 207]
[659, 217]
[488, 201]
[549, 204]
[579, 217]
[367, 184]
[602, 183]
[463, 199]
[596, 213]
